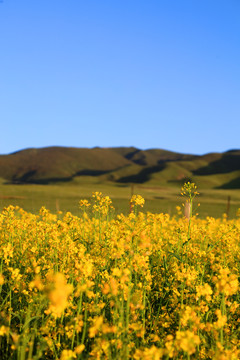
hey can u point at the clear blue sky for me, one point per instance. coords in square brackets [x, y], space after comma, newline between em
[147, 73]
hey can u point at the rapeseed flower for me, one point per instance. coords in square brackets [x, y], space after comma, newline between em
[141, 286]
[187, 341]
[137, 200]
[57, 292]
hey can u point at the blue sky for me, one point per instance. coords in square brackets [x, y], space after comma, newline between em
[151, 74]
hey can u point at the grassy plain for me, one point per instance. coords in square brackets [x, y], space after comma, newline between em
[58, 177]
[65, 197]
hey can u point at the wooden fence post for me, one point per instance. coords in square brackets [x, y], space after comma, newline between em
[228, 206]
[187, 208]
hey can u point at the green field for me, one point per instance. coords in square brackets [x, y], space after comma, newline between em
[65, 197]
[58, 177]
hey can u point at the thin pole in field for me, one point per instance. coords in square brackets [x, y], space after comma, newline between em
[228, 205]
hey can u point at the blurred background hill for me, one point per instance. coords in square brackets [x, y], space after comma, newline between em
[58, 177]
[121, 165]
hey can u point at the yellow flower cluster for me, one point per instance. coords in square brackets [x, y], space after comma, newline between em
[226, 282]
[137, 200]
[57, 292]
[189, 190]
[125, 287]
[187, 341]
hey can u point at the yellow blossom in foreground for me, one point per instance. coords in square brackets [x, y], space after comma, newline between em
[189, 315]
[169, 344]
[227, 283]
[137, 200]
[79, 349]
[204, 290]
[58, 292]
[141, 287]
[68, 355]
[222, 319]
[36, 283]
[187, 341]
[1, 279]
[84, 203]
[226, 355]
[189, 190]
[4, 330]
[7, 252]
[153, 353]
[97, 325]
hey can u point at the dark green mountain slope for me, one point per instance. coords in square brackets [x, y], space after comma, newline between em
[122, 165]
[58, 164]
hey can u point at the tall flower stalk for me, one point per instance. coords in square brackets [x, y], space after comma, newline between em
[189, 191]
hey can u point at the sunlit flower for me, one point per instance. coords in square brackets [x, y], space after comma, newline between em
[57, 292]
[187, 341]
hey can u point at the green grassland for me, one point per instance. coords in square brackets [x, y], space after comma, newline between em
[65, 197]
[59, 177]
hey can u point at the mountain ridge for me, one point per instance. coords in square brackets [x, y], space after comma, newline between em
[121, 165]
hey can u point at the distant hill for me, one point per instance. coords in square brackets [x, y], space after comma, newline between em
[122, 165]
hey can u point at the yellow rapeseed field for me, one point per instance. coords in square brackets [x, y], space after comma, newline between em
[99, 286]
